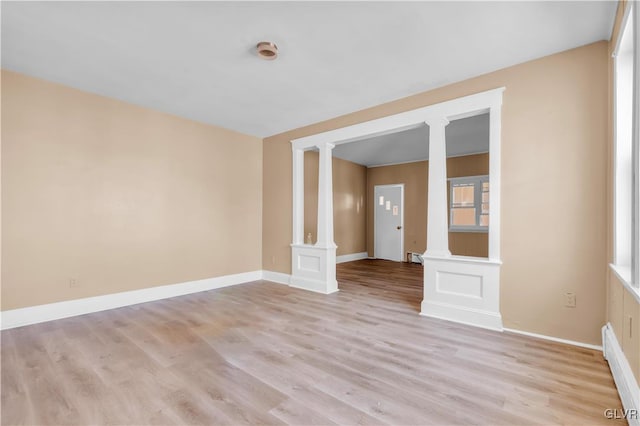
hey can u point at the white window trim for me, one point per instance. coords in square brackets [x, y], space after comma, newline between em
[635, 248]
[629, 275]
[477, 203]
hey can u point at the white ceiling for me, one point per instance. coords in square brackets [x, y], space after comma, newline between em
[196, 59]
[464, 137]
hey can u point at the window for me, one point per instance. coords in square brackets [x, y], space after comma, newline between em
[469, 204]
[626, 152]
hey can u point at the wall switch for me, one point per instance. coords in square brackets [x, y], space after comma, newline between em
[570, 300]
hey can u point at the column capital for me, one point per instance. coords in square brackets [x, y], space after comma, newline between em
[325, 145]
[436, 121]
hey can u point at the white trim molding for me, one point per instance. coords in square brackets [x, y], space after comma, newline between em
[52, 311]
[352, 257]
[276, 277]
[467, 106]
[626, 149]
[554, 339]
[622, 374]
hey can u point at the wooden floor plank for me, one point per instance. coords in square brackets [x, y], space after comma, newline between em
[264, 353]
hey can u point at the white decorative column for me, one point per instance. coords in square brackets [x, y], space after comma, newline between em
[325, 218]
[313, 267]
[459, 288]
[325, 197]
[298, 196]
[437, 221]
[495, 177]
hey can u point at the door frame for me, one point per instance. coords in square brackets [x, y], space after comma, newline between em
[375, 233]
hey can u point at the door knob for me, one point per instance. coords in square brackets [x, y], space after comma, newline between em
[398, 227]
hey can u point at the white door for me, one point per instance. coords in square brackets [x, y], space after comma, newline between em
[388, 212]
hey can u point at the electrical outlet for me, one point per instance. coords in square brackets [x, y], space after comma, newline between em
[570, 300]
[273, 260]
[73, 283]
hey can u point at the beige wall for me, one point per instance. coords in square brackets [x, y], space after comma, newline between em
[554, 171]
[623, 311]
[349, 191]
[118, 197]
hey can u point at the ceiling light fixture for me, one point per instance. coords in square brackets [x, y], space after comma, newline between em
[267, 50]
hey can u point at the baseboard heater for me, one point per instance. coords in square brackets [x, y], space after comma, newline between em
[414, 258]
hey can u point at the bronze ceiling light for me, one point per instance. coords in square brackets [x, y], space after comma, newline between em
[267, 50]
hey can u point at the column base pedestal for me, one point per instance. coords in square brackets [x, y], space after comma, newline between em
[462, 289]
[313, 268]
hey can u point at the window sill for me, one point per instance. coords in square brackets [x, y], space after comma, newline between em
[470, 229]
[623, 273]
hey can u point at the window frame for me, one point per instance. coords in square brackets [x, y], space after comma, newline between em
[477, 202]
[626, 187]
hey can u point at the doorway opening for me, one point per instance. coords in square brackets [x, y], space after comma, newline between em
[458, 285]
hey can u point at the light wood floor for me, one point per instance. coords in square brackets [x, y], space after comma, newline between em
[266, 353]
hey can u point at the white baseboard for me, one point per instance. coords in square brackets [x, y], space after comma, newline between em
[52, 311]
[297, 282]
[462, 315]
[555, 339]
[276, 277]
[622, 375]
[312, 285]
[351, 257]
